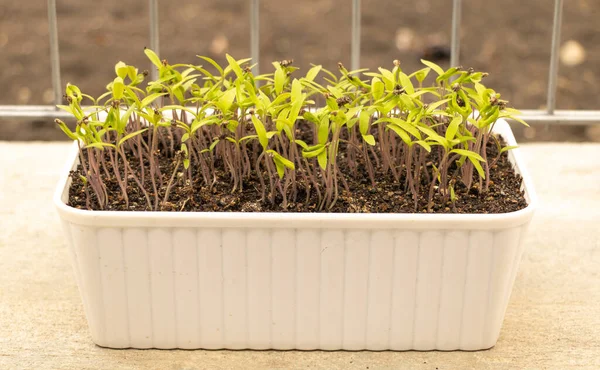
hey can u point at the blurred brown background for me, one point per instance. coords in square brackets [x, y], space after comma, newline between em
[510, 39]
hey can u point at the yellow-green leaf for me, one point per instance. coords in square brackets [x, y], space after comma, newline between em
[377, 88]
[477, 167]
[453, 128]
[322, 159]
[369, 139]
[406, 84]
[279, 80]
[226, 100]
[234, 66]
[121, 70]
[313, 151]
[118, 87]
[507, 148]
[433, 66]
[66, 130]
[131, 135]
[153, 58]
[261, 132]
[467, 153]
[313, 72]
[323, 133]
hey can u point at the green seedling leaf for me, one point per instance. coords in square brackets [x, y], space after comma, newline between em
[213, 63]
[516, 119]
[337, 93]
[302, 143]
[388, 78]
[65, 129]
[131, 135]
[66, 108]
[121, 70]
[401, 133]
[432, 135]
[323, 133]
[424, 145]
[234, 66]
[118, 87]
[279, 80]
[377, 88]
[333, 77]
[178, 108]
[232, 125]
[179, 95]
[281, 163]
[313, 72]
[261, 132]
[226, 100]
[406, 84]
[402, 124]
[132, 73]
[322, 159]
[478, 167]
[332, 104]
[100, 145]
[421, 74]
[73, 92]
[369, 139]
[468, 153]
[310, 117]
[296, 90]
[433, 66]
[431, 107]
[446, 75]
[213, 145]
[509, 147]
[153, 58]
[313, 151]
[280, 168]
[453, 128]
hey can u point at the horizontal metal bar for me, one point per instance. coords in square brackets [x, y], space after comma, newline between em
[562, 117]
[32, 111]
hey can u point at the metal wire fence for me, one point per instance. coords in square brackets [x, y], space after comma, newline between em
[548, 116]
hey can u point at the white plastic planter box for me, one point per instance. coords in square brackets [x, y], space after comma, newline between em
[295, 281]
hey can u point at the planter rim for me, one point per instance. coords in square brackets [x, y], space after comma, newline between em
[305, 220]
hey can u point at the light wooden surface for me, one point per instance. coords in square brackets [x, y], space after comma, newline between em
[553, 320]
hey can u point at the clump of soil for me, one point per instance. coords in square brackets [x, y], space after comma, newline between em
[388, 196]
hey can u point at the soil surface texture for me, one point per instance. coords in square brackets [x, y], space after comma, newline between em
[387, 196]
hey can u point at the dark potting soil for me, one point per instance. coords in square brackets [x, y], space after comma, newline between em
[388, 196]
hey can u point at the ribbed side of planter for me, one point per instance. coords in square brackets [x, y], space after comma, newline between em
[295, 288]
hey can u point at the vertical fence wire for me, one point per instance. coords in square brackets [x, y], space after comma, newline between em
[154, 38]
[355, 46]
[54, 56]
[553, 74]
[455, 43]
[550, 115]
[255, 35]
